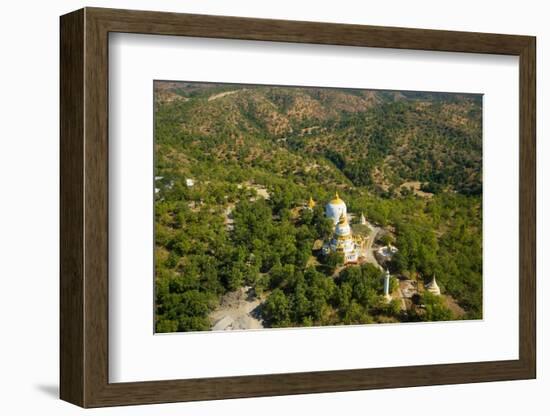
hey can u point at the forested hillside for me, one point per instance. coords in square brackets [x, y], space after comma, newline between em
[255, 154]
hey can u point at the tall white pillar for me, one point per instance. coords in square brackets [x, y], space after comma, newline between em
[387, 286]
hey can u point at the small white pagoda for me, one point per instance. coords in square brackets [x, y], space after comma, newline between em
[432, 287]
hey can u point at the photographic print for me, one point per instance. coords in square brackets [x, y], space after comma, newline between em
[289, 206]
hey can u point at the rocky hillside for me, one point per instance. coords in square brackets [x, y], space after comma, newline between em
[378, 139]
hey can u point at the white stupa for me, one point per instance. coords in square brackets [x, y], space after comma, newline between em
[362, 220]
[432, 287]
[335, 209]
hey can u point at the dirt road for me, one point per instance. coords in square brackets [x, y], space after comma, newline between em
[223, 94]
[238, 310]
[369, 251]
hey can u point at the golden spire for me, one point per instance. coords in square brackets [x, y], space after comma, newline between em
[311, 203]
[336, 199]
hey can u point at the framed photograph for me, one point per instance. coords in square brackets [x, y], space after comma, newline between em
[257, 207]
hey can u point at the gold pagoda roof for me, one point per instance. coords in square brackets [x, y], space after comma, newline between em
[336, 200]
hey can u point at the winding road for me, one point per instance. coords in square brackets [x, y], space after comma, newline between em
[369, 251]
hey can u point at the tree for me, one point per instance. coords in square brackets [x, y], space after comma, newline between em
[323, 226]
[300, 304]
[280, 274]
[354, 313]
[393, 308]
[276, 309]
[166, 325]
[435, 310]
[387, 239]
[332, 260]
[307, 216]
[235, 278]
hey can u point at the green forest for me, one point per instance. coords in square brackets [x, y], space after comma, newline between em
[410, 161]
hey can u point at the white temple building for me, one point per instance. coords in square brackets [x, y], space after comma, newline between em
[342, 239]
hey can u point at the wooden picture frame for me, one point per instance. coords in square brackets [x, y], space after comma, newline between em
[84, 207]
